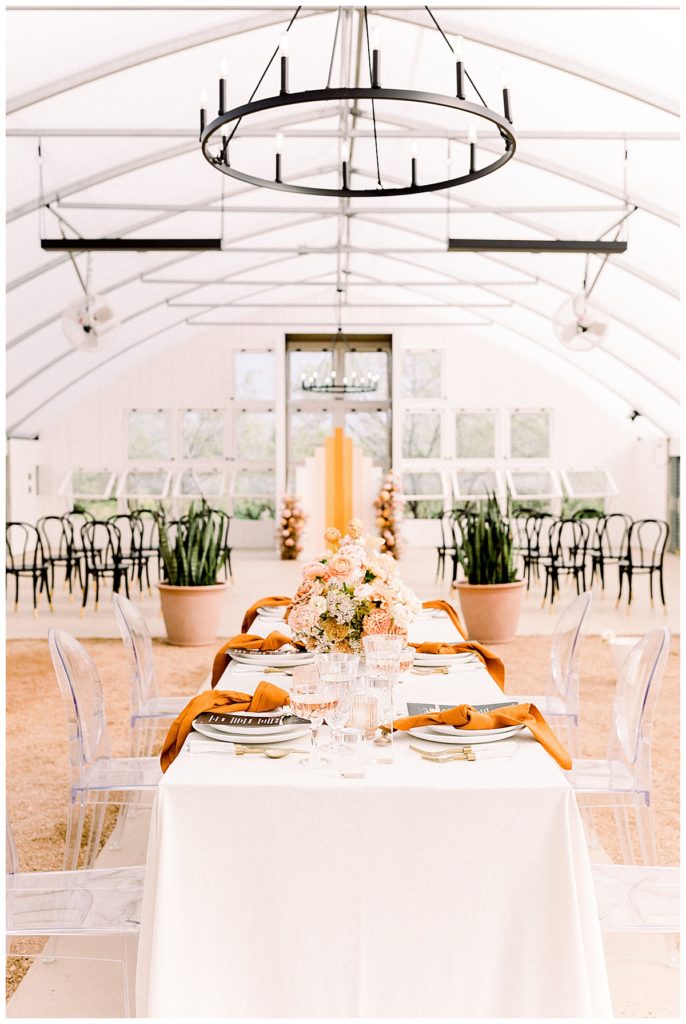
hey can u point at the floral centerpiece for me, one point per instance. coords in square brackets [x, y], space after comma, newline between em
[388, 513]
[352, 591]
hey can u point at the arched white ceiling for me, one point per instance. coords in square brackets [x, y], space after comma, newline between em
[594, 94]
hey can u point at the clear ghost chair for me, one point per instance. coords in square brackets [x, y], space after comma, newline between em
[149, 711]
[640, 898]
[561, 701]
[623, 780]
[96, 778]
[93, 903]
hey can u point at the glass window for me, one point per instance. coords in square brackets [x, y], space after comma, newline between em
[144, 483]
[255, 375]
[422, 372]
[530, 434]
[255, 435]
[148, 434]
[424, 494]
[96, 484]
[364, 364]
[306, 432]
[306, 363]
[369, 430]
[475, 434]
[540, 483]
[422, 435]
[588, 483]
[202, 433]
[201, 483]
[476, 483]
[254, 494]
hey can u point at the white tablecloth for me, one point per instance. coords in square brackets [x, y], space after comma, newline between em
[425, 890]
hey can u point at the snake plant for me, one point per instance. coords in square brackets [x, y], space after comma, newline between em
[194, 555]
[485, 552]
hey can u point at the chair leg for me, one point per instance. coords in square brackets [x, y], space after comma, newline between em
[16, 593]
[95, 833]
[646, 833]
[75, 821]
[623, 826]
[128, 969]
[650, 588]
[662, 587]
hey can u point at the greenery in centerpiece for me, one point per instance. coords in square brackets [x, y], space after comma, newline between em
[486, 549]
[352, 591]
[194, 556]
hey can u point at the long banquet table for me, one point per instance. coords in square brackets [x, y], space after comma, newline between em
[424, 890]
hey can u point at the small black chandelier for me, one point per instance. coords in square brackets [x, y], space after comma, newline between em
[356, 384]
[216, 136]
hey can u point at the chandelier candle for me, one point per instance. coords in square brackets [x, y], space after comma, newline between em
[506, 95]
[284, 50]
[203, 111]
[279, 149]
[459, 72]
[376, 59]
[471, 139]
[223, 70]
[413, 162]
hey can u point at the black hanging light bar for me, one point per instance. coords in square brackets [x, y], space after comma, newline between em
[216, 135]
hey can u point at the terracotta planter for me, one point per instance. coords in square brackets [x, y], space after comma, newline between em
[491, 611]
[191, 614]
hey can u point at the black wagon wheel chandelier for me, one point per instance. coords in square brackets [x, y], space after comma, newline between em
[216, 135]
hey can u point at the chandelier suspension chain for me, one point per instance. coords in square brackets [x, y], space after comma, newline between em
[376, 140]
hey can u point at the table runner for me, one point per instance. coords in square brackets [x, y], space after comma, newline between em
[459, 890]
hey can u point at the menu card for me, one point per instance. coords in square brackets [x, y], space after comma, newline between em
[426, 709]
[251, 721]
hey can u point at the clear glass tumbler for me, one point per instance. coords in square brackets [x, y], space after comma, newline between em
[350, 751]
[383, 655]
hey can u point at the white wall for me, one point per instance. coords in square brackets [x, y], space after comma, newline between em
[590, 427]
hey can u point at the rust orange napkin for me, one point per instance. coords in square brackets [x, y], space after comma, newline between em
[446, 607]
[266, 697]
[264, 602]
[494, 665]
[249, 642]
[467, 717]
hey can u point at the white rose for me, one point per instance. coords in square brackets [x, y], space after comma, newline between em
[363, 591]
[318, 605]
[401, 616]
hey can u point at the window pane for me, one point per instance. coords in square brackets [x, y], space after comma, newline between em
[364, 364]
[423, 483]
[203, 434]
[422, 435]
[530, 434]
[307, 431]
[146, 483]
[305, 364]
[202, 483]
[369, 430]
[148, 435]
[255, 375]
[255, 435]
[87, 484]
[422, 373]
[422, 508]
[532, 485]
[475, 435]
[254, 494]
[588, 482]
[476, 483]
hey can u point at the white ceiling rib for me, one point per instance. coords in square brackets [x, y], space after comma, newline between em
[536, 193]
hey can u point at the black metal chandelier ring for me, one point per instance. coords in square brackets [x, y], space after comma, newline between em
[221, 162]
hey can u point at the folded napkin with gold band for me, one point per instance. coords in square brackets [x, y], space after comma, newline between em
[266, 697]
[250, 642]
[445, 606]
[493, 664]
[466, 717]
[264, 602]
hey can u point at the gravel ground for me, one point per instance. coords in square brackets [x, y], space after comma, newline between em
[37, 749]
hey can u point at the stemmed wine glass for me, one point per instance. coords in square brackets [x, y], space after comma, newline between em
[312, 697]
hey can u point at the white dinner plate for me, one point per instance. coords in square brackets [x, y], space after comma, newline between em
[272, 659]
[287, 733]
[272, 613]
[440, 660]
[464, 736]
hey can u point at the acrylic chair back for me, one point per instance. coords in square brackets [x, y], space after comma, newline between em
[565, 650]
[138, 643]
[638, 688]
[83, 700]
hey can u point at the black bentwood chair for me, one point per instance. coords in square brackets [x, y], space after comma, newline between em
[645, 556]
[25, 560]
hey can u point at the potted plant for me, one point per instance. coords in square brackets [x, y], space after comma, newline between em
[191, 595]
[490, 595]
